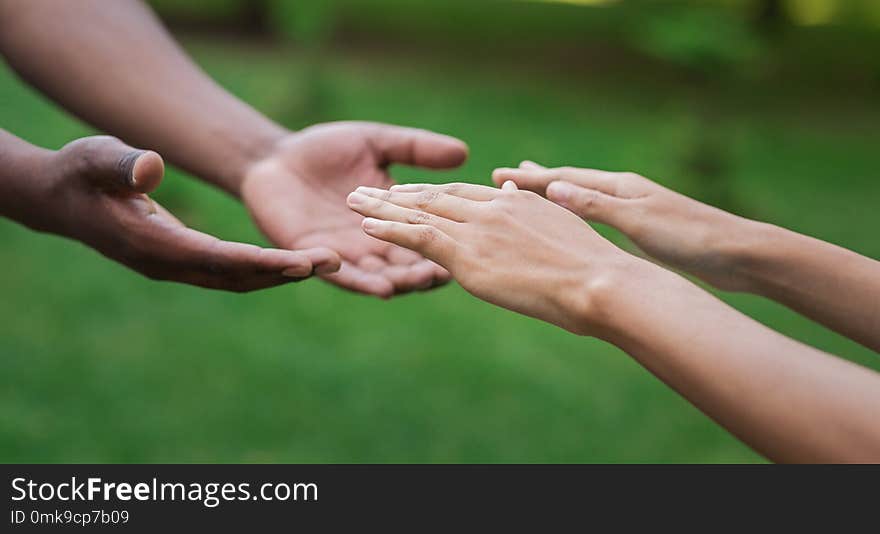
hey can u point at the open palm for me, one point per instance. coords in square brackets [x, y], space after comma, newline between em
[297, 197]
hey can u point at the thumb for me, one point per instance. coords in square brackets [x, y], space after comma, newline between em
[588, 203]
[422, 148]
[109, 164]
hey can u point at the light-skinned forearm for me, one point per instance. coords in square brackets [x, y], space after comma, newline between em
[828, 283]
[788, 401]
[115, 66]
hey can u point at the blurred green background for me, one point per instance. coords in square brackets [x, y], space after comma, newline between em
[767, 108]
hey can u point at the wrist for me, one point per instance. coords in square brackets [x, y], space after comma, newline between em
[597, 302]
[633, 288]
[770, 257]
[249, 153]
[748, 251]
[723, 257]
[24, 179]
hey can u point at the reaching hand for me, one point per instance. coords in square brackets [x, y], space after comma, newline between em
[671, 227]
[95, 190]
[508, 247]
[297, 197]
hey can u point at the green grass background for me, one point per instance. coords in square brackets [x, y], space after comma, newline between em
[100, 365]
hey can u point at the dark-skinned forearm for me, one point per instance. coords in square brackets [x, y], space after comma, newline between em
[114, 65]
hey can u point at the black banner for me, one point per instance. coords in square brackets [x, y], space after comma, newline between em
[331, 497]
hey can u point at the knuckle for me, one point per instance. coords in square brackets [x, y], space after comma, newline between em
[499, 203]
[499, 211]
[427, 235]
[426, 198]
[588, 202]
[631, 177]
[82, 155]
[453, 188]
[419, 217]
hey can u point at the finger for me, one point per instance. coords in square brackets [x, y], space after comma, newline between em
[428, 241]
[179, 245]
[531, 179]
[380, 209]
[430, 201]
[530, 165]
[147, 172]
[537, 180]
[353, 278]
[509, 186]
[186, 255]
[110, 164]
[462, 190]
[407, 278]
[324, 260]
[441, 275]
[404, 277]
[241, 259]
[413, 146]
[402, 256]
[590, 204]
[372, 263]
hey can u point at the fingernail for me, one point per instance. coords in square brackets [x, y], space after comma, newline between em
[296, 272]
[372, 224]
[356, 199]
[126, 165]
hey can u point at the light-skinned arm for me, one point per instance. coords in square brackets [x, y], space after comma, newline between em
[790, 402]
[830, 284]
[115, 66]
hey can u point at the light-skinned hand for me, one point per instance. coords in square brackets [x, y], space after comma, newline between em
[506, 246]
[297, 197]
[677, 230]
